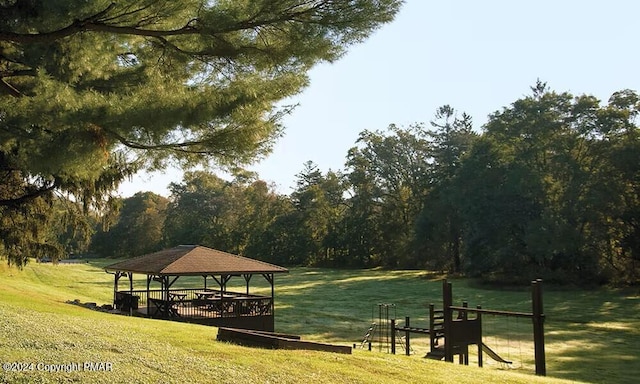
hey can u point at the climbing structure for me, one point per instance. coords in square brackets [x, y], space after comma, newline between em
[453, 335]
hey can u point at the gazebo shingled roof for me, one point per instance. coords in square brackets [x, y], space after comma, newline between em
[185, 260]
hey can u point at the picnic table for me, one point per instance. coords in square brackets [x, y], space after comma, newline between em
[214, 295]
[206, 295]
[165, 307]
[216, 301]
[177, 298]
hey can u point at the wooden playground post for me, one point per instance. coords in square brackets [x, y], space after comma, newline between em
[479, 315]
[463, 357]
[393, 338]
[447, 302]
[538, 327]
[407, 337]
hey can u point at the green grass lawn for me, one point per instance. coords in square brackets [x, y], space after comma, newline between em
[592, 336]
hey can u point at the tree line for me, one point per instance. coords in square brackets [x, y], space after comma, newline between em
[548, 187]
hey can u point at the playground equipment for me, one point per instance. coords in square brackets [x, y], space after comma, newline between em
[382, 330]
[451, 336]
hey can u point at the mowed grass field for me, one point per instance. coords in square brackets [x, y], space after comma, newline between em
[591, 336]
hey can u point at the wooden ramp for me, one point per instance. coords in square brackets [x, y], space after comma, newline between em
[272, 340]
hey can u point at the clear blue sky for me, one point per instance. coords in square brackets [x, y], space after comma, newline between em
[477, 56]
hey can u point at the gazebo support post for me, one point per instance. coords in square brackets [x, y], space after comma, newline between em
[116, 279]
[165, 295]
[270, 279]
[247, 278]
[130, 275]
[149, 277]
[217, 281]
[225, 279]
[173, 281]
[166, 285]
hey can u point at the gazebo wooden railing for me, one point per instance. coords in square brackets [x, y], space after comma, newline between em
[193, 303]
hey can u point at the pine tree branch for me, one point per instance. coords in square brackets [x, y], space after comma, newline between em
[91, 23]
[99, 23]
[177, 146]
[10, 88]
[30, 195]
[82, 26]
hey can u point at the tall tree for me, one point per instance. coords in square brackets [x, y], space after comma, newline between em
[439, 227]
[359, 224]
[308, 219]
[390, 170]
[90, 92]
[138, 229]
[198, 212]
[259, 223]
[318, 205]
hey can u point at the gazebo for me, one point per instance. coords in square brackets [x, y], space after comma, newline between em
[201, 304]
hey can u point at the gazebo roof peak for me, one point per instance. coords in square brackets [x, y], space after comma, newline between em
[193, 260]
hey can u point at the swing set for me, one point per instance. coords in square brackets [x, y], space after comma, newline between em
[452, 335]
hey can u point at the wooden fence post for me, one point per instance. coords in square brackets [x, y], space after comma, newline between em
[538, 327]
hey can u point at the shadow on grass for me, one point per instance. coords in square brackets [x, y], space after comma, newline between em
[594, 335]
